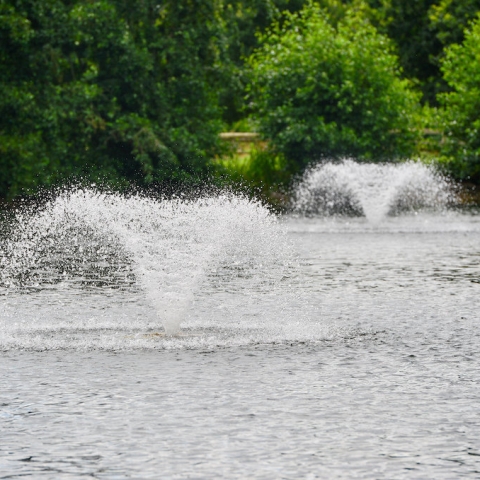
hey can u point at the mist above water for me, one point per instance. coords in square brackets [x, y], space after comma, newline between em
[372, 190]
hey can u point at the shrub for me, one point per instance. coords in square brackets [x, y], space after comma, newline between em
[461, 121]
[322, 91]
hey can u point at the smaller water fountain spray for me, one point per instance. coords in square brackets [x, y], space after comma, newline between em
[372, 190]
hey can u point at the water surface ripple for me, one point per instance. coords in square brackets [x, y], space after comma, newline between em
[361, 361]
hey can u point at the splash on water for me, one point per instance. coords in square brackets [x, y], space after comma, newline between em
[85, 246]
[92, 270]
[373, 190]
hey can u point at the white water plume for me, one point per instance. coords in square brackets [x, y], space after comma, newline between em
[89, 240]
[373, 190]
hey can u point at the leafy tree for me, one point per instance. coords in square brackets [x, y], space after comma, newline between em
[320, 91]
[448, 21]
[449, 18]
[421, 30]
[111, 89]
[408, 25]
[461, 68]
[243, 20]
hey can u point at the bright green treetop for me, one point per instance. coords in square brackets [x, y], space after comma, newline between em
[461, 69]
[320, 91]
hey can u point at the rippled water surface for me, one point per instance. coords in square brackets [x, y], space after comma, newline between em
[361, 360]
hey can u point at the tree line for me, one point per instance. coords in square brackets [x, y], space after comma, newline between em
[136, 92]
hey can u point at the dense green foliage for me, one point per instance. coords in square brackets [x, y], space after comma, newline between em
[111, 89]
[408, 24]
[242, 19]
[321, 91]
[421, 30]
[461, 68]
[124, 91]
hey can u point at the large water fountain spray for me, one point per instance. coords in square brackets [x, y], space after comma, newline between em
[164, 246]
[372, 190]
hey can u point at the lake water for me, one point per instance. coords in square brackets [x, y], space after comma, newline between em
[324, 347]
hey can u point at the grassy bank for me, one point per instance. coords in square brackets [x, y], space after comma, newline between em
[251, 165]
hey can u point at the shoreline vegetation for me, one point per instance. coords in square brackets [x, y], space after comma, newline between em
[248, 151]
[134, 95]
[249, 166]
